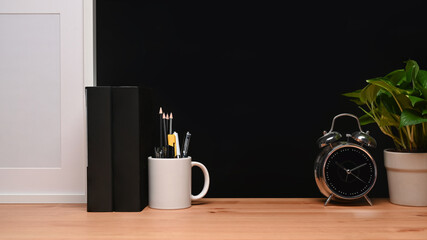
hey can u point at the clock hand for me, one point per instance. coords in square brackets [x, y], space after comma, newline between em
[357, 177]
[341, 166]
[351, 170]
[345, 169]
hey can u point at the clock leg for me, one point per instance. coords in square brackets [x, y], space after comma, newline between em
[368, 200]
[329, 199]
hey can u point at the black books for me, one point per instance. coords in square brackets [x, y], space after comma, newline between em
[130, 141]
[126, 155]
[99, 170]
[147, 123]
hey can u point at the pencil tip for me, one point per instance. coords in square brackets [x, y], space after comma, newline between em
[167, 116]
[160, 110]
[171, 116]
[164, 116]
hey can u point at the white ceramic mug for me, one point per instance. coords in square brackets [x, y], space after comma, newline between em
[169, 182]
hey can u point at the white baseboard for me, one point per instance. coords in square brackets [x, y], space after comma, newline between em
[45, 198]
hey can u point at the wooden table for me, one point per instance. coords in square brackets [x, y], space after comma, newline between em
[219, 218]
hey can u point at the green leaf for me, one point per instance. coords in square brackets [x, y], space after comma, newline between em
[414, 100]
[366, 119]
[396, 76]
[387, 85]
[387, 118]
[355, 94]
[403, 101]
[411, 69]
[369, 93]
[424, 112]
[421, 83]
[411, 117]
[394, 73]
[421, 91]
[422, 78]
[387, 99]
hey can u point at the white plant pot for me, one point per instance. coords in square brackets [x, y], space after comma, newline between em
[407, 177]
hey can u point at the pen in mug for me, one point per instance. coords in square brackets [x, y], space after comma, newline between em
[186, 144]
[177, 150]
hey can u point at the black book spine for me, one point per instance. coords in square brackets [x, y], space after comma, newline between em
[147, 123]
[99, 169]
[126, 149]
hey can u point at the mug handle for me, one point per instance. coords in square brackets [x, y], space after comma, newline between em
[206, 185]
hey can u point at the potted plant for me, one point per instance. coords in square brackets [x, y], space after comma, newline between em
[397, 103]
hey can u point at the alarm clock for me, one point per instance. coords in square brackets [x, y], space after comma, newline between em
[344, 170]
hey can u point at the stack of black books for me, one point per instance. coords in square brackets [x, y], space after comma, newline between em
[119, 122]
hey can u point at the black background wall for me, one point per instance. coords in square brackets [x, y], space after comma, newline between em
[256, 84]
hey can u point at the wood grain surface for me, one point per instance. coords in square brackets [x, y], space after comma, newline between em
[219, 218]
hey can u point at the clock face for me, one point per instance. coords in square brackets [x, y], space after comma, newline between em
[350, 172]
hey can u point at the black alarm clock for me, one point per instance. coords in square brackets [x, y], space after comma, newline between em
[344, 170]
